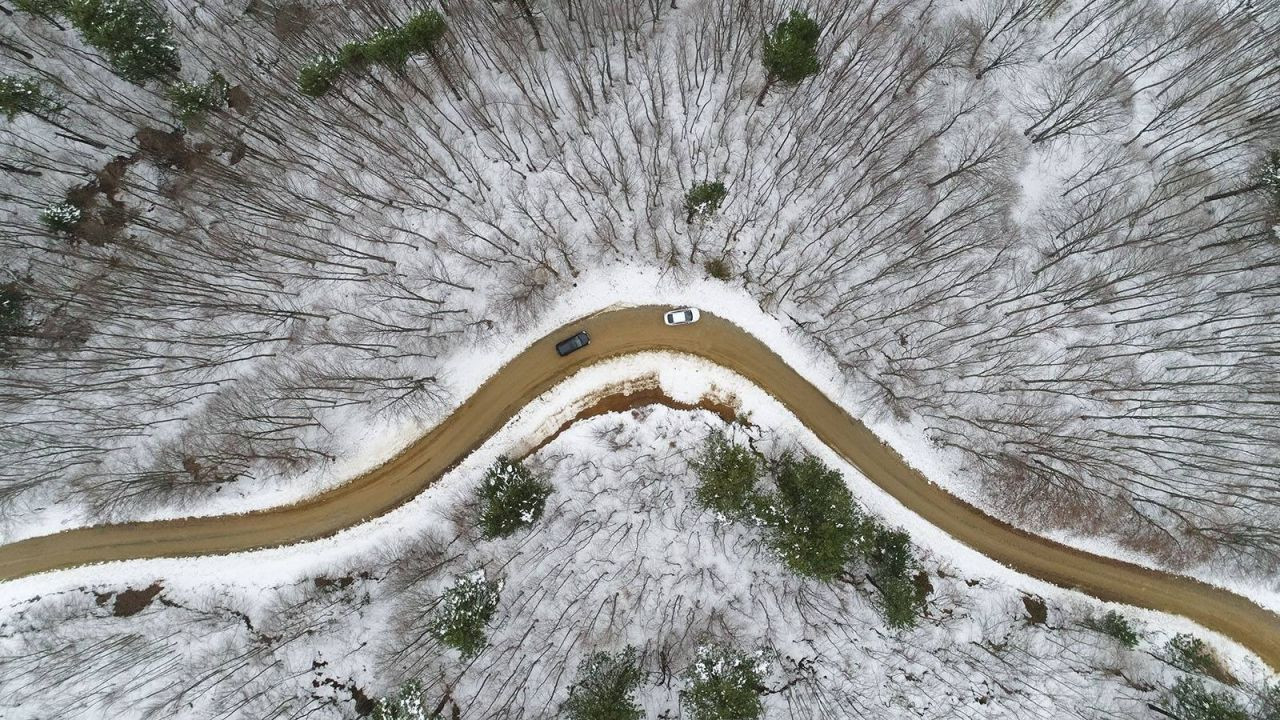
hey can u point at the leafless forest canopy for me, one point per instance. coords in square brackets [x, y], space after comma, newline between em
[1025, 224]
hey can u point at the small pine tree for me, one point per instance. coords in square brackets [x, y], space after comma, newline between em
[60, 217]
[406, 704]
[354, 56]
[464, 611]
[604, 688]
[815, 522]
[511, 497]
[703, 200]
[1118, 627]
[389, 47]
[790, 52]
[318, 76]
[191, 101]
[1270, 179]
[1269, 707]
[892, 562]
[724, 683]
[24, 95]
[727, 477]
[11, 309]
[47, 9]
[423, 32]
[1190, 654]
[900, 601]
[133, 35]
[1193, 702]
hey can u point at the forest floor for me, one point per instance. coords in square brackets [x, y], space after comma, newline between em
[620, 332]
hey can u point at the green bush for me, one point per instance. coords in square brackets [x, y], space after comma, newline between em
[1269, 707]
[1193, 702]
[900, 601]
[318, 76]
[390, 47]
[604, 687]
[60, 216]
[727, 476]
[703, 200]
[1118, 627]
[724, 683]
[47, 9]
[12, 303]
[407, 704]
[892, 563]
[790, 51]
[1270, 179]
[815, 522]
[423, 31]
[24, 95]
[463, 613]
[887, 550]
[1190, 653]
[510, 498]
[192, 100]
[133, 35]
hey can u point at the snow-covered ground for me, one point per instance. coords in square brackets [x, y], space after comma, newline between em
[620, 541]
[622, 556]
[1039, 324]
[372, 442]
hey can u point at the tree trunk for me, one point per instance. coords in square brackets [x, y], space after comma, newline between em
[1233, 193]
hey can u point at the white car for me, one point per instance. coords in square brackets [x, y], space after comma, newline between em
[683, 316]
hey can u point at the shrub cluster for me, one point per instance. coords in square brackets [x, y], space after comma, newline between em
[24, 95]
[464, 611]
[604, 688]
[893, 565]
[511, 497]
[724, 683]
[60, 216]
[813, 523]
[1190, 653]
[1118, 627]
[1270, 179]
[389, 47]
[704, 199]
[192, 100]
[813, 518]
[727, 477]
[132, 34]
[48, 9]
[11, 309]
[1193, 702]
[407, 704]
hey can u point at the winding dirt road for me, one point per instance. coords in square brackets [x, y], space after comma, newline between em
[619, 332]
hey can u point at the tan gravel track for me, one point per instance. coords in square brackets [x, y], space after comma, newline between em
[619, 332]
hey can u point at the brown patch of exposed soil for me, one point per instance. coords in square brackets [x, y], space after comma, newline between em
[922, 583]
[339, 583]
[611, 401]
[1037, 610]
[238, 99]
[170, 149]
[290, 21]
[132, 602]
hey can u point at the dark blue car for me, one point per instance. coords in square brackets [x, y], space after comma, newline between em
[577, 342]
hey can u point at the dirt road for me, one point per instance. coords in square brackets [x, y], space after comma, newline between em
[620, 332]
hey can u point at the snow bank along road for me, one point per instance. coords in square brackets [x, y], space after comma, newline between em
[614, 333]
